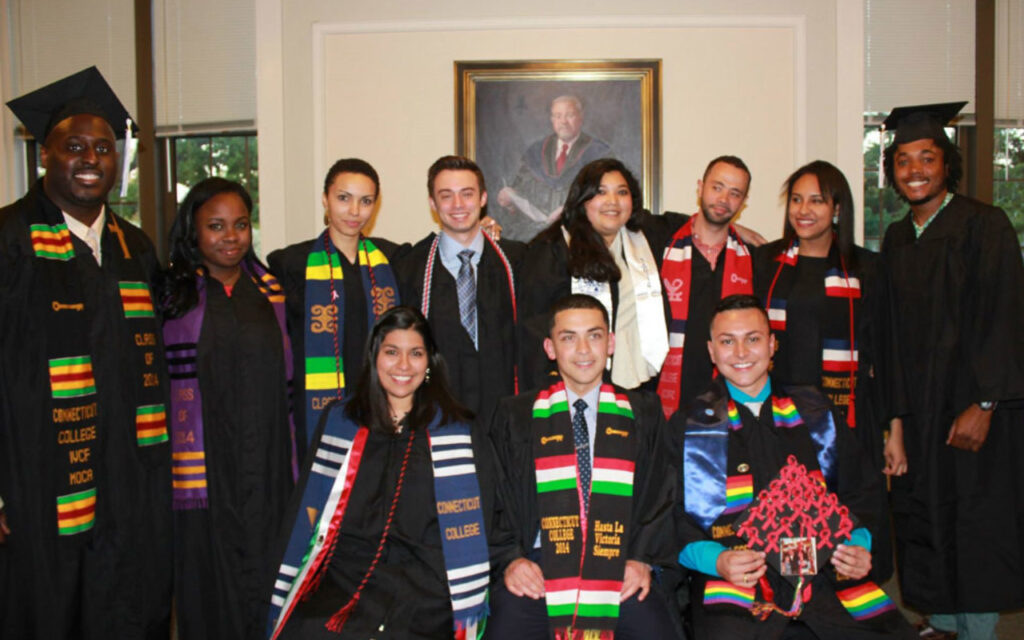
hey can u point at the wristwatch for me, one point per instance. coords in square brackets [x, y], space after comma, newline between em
[987, 405]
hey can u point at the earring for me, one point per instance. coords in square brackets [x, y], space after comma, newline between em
[426, 377]
[835, 219]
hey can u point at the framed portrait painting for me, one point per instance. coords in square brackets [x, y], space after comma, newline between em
[532, 125]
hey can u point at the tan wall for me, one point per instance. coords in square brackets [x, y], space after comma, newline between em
[376, 81]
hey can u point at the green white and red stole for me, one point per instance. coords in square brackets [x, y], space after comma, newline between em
[584, 547]
[325, 316]
[333, 472]
[676, 270]
[839, 355]
[181, 337]
[73, 407]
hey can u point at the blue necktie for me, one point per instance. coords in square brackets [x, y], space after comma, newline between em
[581, 439]
[466, 287]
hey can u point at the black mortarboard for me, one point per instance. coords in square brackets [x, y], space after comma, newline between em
[83, 92]
[921, 121]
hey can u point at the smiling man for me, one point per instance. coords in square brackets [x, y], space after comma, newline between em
[463, 282]
[731, 444]
[589, 493]
[957, 293]
[85, 530]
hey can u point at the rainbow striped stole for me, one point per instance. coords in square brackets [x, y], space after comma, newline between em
[52, 242]
[324, 318]
[865, 601]
[583, 597]
[784, 412]
[735, 422]
[739, 492]
[724, 592]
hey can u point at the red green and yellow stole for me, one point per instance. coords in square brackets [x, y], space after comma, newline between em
[181, 335]
[73, 408]
[584, 546]
[325, 315]
[676, 269]
[839, 356]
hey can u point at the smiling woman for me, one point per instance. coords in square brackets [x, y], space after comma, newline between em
[232, 444]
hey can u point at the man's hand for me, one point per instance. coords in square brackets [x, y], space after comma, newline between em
[895, 453]
[637, 578]
[742, 567]
[491, 227]
[970, 429]
[505, 197]
[524, 578]
[4, 529]
[852, 561]
[749, 236]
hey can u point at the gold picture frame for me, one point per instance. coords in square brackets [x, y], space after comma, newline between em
[503, 120]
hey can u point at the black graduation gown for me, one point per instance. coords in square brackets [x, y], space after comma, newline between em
[223, 554]
[797, 360]
[764, 448]
[652, 534]
[478, 377]
[544, 277]
[115, 580]
[289, 266]
[408, 591]
[957, 297]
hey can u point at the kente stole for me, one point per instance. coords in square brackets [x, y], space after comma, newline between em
[73, 406]
[325, 317]
[584, 547]
[181, 337]
[335, 467]
[839, 354]
[676, 270]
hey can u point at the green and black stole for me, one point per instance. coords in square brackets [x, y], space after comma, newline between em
[325, 314]
[73, 404]
[584, 548]
[836, 319]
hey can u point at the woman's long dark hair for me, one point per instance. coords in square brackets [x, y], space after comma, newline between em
[177, 284]
[836, 191]
[588, 256]
[368, 404]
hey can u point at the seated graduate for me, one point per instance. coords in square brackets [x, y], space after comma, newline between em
[733, 442]
[390, 535]
[228, 354]
[590, 494]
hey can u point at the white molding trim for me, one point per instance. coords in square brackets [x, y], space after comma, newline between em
[850, 103]
[796, 23]
[270, 123]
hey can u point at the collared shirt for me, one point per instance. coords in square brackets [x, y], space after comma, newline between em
[918, 230]
[751, 402]
[91, 235]
[449, 248]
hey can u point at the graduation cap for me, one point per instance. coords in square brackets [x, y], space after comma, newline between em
[83, 92]
[921, 121]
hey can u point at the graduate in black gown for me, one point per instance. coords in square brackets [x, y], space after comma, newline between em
[478, 342]
[602, 247]
[85, 551]
[826, 307]
[957, 298]
[229, 359]
[330, 312]
[731, 444]
[396, 507]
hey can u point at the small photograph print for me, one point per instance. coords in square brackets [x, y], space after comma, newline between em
[798, 557]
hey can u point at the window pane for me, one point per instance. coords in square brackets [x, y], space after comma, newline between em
[1008, 176]
[881, 204]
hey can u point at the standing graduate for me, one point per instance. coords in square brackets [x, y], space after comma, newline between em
[464, 282]
[757, 456]
[601, 247]
[331, 309]
[957, 299]
[825, 304]
[397, 517]
[84, 457]
[230, 363]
